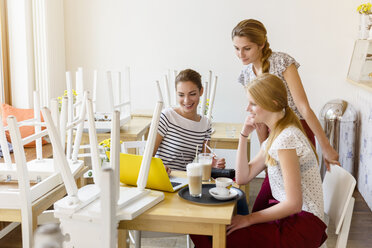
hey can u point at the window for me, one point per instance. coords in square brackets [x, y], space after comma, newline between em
[5, 95]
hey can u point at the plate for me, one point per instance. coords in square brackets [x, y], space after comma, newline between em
[214, 193]
[207, 198]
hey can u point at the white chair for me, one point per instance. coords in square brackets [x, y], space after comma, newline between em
[338, 188]
[209, 95]
[117, 86]
[134, 235]
[7, 168]
[35, 179]
[82, 209]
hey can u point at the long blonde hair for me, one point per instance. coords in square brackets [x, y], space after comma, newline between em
[269, 92]
[256, 32]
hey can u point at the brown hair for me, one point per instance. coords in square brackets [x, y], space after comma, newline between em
[256, 32]
[189, 75]
[269, 92]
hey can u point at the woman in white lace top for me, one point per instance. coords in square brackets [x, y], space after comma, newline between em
[253, 49]
[293, 217]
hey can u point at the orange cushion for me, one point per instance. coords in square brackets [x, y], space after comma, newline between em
[21, 115]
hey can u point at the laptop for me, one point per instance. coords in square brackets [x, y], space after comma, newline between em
[158, 177]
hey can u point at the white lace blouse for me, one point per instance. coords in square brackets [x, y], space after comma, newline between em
[278, 64]
[312, 193]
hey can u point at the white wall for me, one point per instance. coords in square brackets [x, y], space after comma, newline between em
[21, 52]
[153, 36]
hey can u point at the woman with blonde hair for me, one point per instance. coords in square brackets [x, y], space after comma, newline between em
[253, 49]
[293, 217]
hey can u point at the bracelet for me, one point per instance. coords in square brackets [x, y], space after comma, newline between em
[245, 136]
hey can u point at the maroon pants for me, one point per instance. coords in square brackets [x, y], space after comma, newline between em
[303, 230]
[299, 230]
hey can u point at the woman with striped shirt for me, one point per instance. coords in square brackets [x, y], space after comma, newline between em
[182, 129]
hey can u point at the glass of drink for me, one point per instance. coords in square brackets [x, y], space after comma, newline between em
[205, 160]
[194, 176]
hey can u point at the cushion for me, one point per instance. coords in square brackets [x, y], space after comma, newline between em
[21, 115]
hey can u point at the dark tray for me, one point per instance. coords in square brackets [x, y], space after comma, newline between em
[207, 198]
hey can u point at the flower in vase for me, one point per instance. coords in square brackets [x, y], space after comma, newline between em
[206, 106]
[365, 8]
[105, 148]
[74, 95]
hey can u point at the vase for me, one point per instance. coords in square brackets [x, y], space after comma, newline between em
[364, 26]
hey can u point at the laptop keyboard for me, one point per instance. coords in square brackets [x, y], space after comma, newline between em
[174, 184]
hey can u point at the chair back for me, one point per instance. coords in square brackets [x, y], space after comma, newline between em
[138, 145]
[118, 85]
[37, 118]
[73, 148]
[338, 187]
[209, 95]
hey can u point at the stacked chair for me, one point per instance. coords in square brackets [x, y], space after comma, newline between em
[118, 88]
[139, 146]
[30, 187]
[86, 209]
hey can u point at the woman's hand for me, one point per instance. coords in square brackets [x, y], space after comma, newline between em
[249, 125]
[330, 157]
[238, 222]
[168, 170]
[219, 163]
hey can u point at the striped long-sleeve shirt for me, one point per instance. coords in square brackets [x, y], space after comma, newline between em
[180, 138]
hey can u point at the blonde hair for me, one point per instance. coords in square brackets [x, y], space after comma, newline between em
[256, 32]
[269, 92]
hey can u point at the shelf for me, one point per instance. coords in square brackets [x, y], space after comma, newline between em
[367, 86]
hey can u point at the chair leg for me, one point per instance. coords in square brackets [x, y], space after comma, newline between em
[189, 242]
[26, 234]
[137, 239]
[344, 233]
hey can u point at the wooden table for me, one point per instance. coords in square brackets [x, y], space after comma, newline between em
[44, 202]
[30, 153]
[176, 215]
[134, 130]
[39, 205]
[147, 113]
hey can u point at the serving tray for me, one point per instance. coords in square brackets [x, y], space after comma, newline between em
[207, 198]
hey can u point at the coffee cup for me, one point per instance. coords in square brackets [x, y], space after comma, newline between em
[205, 159]
[223, 185]
[194, 176]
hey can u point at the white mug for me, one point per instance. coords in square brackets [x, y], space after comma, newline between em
[223, 185]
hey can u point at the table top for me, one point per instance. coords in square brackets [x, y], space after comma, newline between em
[142, 113]
[30, 153]
[226, 131]
[174, 208]
[135, 128]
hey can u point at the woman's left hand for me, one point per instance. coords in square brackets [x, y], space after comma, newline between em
[238, 222]
[330, 157]
[219, 163]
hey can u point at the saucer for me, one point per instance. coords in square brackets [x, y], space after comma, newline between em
[213, 191]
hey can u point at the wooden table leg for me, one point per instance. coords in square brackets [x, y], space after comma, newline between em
[122, 238]
[34, 222]
[219, 236]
